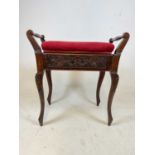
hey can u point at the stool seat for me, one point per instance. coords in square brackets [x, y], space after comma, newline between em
[77, 47]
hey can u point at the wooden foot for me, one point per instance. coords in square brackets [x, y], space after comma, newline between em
[39, 83]
[114, 82]
[101, 77]
[49, 80]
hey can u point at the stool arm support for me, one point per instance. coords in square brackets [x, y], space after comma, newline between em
[125, 37]
[30, 35]
[117, 53]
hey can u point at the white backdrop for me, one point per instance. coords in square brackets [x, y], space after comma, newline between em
[76, 112]
[80, 20]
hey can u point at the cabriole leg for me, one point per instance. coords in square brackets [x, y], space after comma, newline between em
[39, 83]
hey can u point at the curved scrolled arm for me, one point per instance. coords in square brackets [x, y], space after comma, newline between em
[125, 37]
[30, 35]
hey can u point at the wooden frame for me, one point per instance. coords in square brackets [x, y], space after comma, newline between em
[75, 61]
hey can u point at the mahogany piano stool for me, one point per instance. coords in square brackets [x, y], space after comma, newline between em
[84, 56]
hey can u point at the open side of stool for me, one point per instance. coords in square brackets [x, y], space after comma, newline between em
[76, 60]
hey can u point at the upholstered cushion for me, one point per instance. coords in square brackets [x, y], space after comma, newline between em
[78, 47]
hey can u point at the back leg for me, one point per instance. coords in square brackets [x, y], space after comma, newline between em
[100, 80]
[49, 80]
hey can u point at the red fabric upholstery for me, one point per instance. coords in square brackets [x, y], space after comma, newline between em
[80, 47]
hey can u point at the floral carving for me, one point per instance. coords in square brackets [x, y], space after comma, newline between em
[78, 61]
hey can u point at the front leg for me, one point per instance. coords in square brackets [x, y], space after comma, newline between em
[39, 83]
[101, 77]
[114, 83]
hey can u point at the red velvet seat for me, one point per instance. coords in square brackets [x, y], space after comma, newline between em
[77, 47]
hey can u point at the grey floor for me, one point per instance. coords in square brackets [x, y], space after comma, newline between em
[73, 124]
